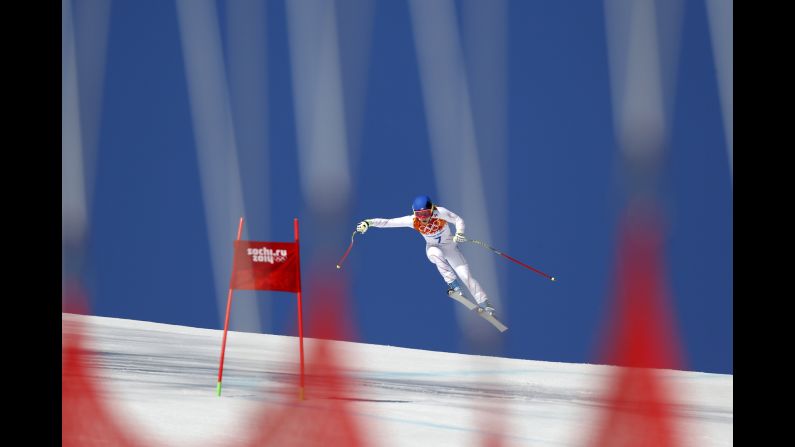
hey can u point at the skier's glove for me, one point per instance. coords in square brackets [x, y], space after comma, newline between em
[459, 237]
[363, 226]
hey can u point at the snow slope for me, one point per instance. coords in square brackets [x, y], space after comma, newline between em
[161, 380]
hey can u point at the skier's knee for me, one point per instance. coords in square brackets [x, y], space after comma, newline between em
[435, 259]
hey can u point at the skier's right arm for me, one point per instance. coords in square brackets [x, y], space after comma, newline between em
[405, 221]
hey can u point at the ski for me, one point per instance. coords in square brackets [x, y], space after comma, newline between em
[479, 310]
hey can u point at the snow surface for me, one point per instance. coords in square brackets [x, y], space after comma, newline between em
[162, 378]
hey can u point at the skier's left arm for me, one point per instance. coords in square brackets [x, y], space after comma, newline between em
[456, 220]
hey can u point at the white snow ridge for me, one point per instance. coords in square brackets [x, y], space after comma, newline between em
[159, 382]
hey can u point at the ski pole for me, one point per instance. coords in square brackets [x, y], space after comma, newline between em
[339, 264]
[483, 244]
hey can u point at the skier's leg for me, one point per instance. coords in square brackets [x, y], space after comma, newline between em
[435, 255]
[461, 267]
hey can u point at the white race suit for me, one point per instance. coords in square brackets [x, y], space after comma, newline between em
[439, 245]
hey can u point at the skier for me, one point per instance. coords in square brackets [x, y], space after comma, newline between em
[440, 247]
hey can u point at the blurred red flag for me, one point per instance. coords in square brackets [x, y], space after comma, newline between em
[327, 416]
[265, 266]
[639, 405]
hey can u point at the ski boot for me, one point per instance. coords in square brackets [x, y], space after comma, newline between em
[486, 307]
[454, 287]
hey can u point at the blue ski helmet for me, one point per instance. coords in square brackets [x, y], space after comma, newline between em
[422, 203]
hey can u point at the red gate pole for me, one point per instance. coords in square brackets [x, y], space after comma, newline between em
[226, 323]
[300, 311]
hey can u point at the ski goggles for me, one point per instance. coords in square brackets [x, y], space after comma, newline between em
[423, 214]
